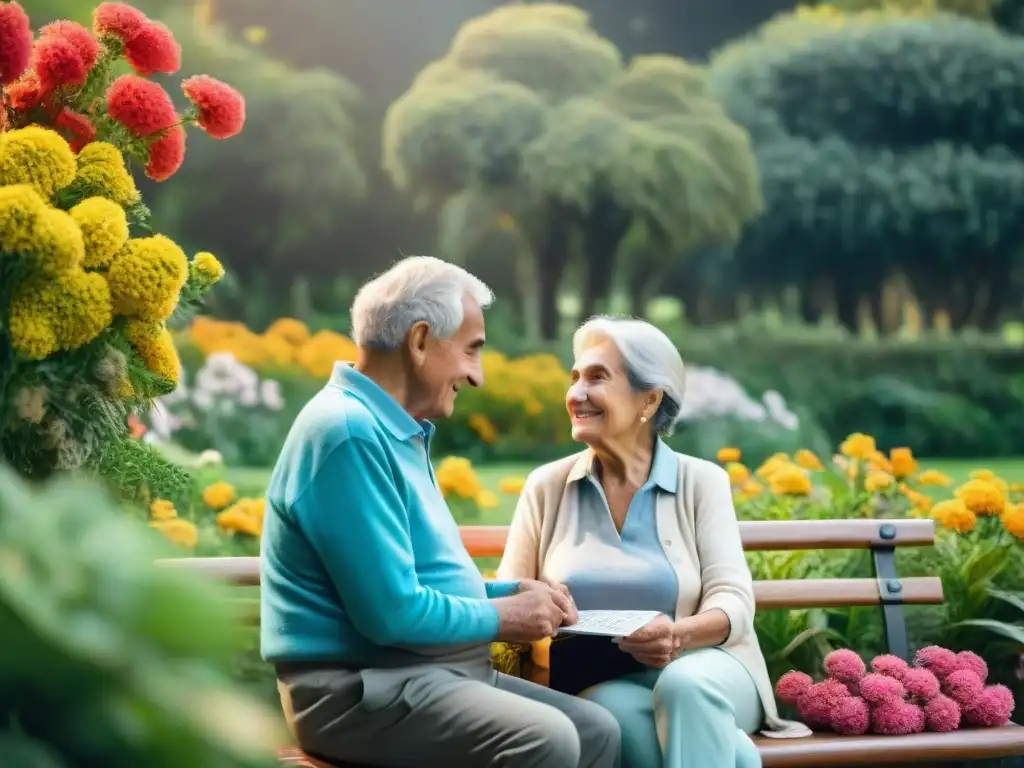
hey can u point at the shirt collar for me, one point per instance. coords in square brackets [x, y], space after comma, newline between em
[384, 407]
[664, 468]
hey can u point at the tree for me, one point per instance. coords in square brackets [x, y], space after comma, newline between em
[886, 146]
[532, 123]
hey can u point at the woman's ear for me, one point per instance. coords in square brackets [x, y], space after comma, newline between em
[652, 403]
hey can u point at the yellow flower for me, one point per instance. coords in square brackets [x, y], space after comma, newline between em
[146, 277]
[512, 485]
[219, 495]
[990, 477]
[235, 519]
[921, 502]
[772, 465]
[903, 462]
[323, 349]
[751, 489]
[954, 514]
[738, 473]
[790, 480]
[455, 475]
[162, 509]
[858, 446]
[156, 349]
[104, 229]
[877, 481]
[487, 499]
[981, 497]
[879, 461]
[1013, 521]
[808, 460]
[58, 241]
[205, 269]
[64, 312]
[728, 454]
[1016, 487]
[38, 157]
[933, 477]
[483, 427]
[295, 332]
[101, 171]
[20, 209]
[181, 532]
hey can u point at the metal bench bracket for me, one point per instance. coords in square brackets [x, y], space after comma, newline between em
[890, 588]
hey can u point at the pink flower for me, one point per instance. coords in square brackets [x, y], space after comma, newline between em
[820, 701]
[974, 662]
[897, 718]
[845, 665]
[152, 49]
[889, 665]
[221, 107]
[15, 42]
[879, 688]
[942, 714]
[992, 708]
[921, 684]
[851, 717]
[939, 661]
[792, 686]
[963, 687]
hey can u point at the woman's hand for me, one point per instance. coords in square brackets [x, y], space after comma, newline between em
[656, 644]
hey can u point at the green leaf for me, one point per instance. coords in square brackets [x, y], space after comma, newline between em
[1011, 631]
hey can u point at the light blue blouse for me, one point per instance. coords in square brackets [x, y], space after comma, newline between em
[632, 571]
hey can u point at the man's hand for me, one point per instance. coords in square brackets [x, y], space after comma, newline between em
[567, 605]
[534, 614]
[656, 644]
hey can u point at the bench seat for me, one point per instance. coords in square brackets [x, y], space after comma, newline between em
[824, 749]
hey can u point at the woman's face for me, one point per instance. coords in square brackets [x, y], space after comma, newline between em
[602, 405]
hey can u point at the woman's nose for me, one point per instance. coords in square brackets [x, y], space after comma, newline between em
[577, 392]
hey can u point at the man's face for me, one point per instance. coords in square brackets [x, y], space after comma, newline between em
[447, 365]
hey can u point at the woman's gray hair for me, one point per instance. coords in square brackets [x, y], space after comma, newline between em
[417, 288]
[650, 359]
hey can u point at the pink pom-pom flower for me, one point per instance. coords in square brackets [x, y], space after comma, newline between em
[889, 665]
[792, 685]
[921, 684]
[939, 661]
[820, 701]
[973, 662]
[851, 717]
[879, 688]
[897, 718]
[942, 714]
[845, 666]
[964, 687]
[992, 708]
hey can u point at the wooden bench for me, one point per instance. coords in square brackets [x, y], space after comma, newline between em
[886, 589]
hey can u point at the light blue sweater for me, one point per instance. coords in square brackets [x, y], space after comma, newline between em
[359, 551]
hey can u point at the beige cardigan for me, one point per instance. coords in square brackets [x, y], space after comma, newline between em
[699, 534]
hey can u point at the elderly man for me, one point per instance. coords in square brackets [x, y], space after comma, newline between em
[375, 617]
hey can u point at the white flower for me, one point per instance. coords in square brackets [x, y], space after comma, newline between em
[712, 393]
[208, 458]
[270, 394]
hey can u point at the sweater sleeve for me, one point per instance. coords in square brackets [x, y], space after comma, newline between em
[725, 575]
[357, 523]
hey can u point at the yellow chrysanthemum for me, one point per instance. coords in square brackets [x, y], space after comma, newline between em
[990, 477]
[38, 157]
[219, 495]
[880, 462]
[512, 485]
[455, 475]
[1013, 521]
[205, 269]
[903, 462]
[920, 502]
[932, 477]
[162, 509]
[738, 473]
[877, 480]
[291, 330]
[808, 460]
[487, 499]
[237, 519]
[750, 489]
[101, 171]
[20, 209]
[181, 532]
[146, 277]
[58, 244]
[155, 346]
[729, 454]
[790, 481]
[483, 427]
[954, 514]
[104, 229]
[64, 312]
[981, 497]
[858, 446]
[772, 465]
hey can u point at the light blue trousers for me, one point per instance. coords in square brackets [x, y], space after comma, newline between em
[695, 713]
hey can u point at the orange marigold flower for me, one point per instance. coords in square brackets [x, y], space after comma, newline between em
[808, 460]
[15, 42]
[221, 107]
[858, 446]
[903, 462]
[1013, 521]
[790, 481]
[953, 514]
[26, 93]
[738, 473]
[981, 497]
[934, 477]
[877, 480]
[166, 154]
[118, 20]
[141, 106]
[727, 454]
[87, 47]
[57, 63]
[151, 49]
[77, 129]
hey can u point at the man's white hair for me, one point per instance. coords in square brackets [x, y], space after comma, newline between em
[417, 288]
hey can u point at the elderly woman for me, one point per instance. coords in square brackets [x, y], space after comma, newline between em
[629, 524]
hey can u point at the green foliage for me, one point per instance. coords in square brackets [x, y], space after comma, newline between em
[139, 474]
[107, 659]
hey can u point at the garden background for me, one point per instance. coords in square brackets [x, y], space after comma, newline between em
[822, 206]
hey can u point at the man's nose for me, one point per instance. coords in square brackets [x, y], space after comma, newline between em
[476, 379]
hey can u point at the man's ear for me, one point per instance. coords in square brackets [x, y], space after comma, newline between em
[416, 341]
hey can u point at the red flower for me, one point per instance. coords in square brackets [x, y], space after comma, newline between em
[879, 688]
[26, 93]
[166, 154]
[57, 63]
[152, 49]
[992, 709]
[964, 687]
[921, 684]
[77, 129]
[939, 661]
[117, 20]
[973, 662]
[221, 107]
[81, 38]
[792, 686]
[851, 717]
[820, 701]
[897, 718]
[142, 106]
[942, 714]
[889, 665]
[845, 666]
[15, 42]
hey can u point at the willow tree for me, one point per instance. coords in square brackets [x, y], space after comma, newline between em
[532, 122]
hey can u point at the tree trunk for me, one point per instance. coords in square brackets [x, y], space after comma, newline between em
[847, 301]
[552, 257]
[603, 231]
